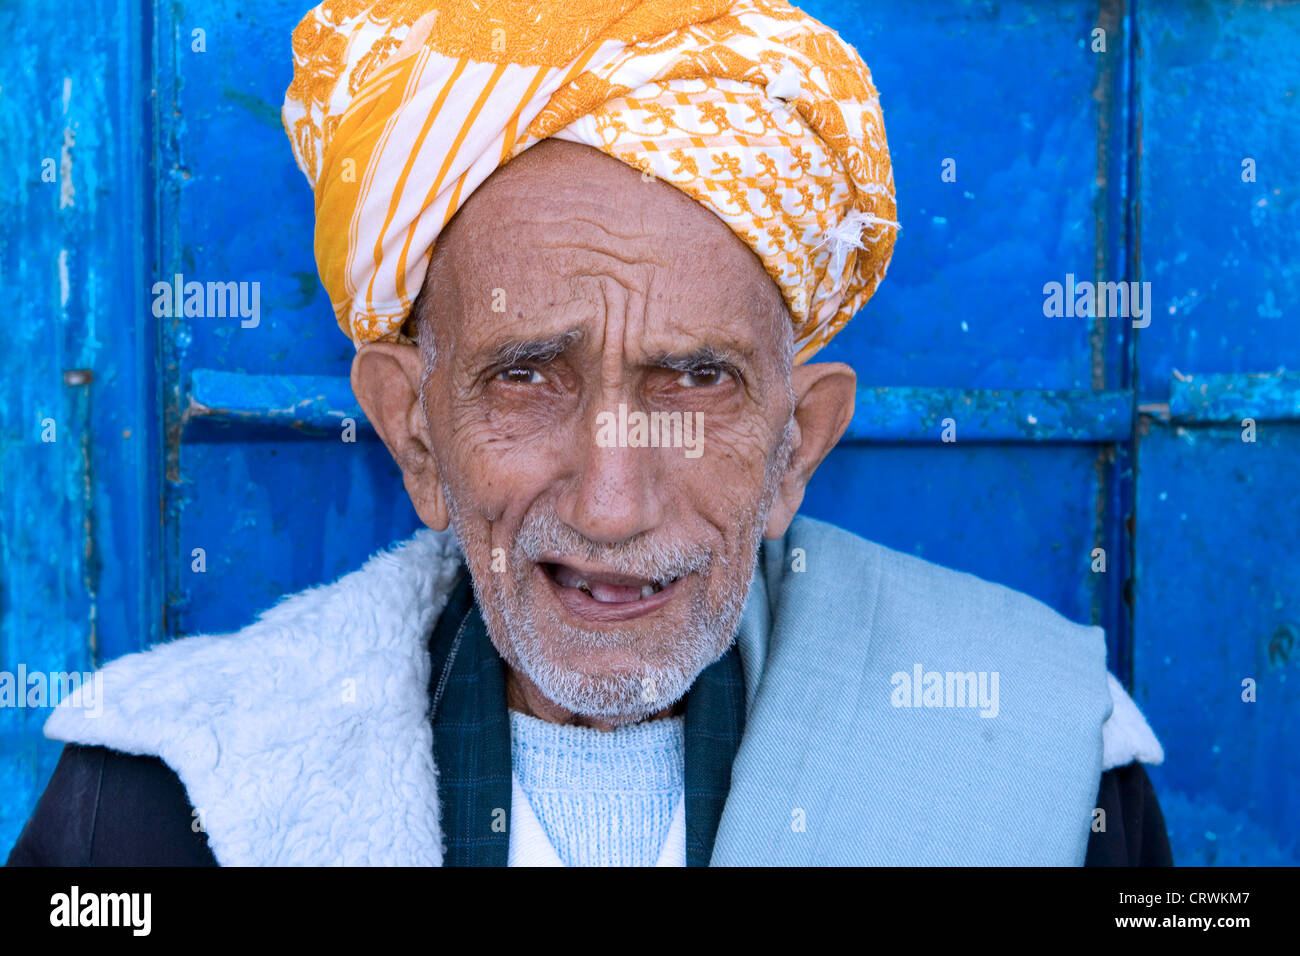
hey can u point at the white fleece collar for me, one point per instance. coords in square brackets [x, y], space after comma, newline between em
[1126, 736]
[304, 738]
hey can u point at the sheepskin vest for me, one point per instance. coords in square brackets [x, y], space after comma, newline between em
[897, 713]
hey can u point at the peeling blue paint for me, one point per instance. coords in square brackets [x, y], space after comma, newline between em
[304, 402]
[200, 434]
[926, 414]
[1270, 396]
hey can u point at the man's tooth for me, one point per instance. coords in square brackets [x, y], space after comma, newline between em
[647, 590]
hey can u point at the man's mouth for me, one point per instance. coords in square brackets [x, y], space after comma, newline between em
[604, 596]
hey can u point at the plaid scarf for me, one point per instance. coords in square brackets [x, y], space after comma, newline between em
[471, 739]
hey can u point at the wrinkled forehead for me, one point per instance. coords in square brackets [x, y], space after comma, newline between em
[564, 233]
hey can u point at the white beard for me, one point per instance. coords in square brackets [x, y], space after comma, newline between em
[517, 628]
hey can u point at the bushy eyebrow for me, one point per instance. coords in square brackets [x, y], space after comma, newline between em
[548, 349]
[540, 351]
[705, 355]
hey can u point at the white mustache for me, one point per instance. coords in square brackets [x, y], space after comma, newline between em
[544, 534]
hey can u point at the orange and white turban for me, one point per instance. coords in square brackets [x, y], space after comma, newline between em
[399, 109]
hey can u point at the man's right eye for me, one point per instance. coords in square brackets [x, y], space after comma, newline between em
[521, 375]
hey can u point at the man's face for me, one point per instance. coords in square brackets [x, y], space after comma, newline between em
[567, 287]
[578, 310]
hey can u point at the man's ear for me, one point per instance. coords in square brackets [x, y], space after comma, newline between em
[386, 381]
[824, 397]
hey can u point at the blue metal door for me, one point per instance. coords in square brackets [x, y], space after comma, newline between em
[203, 467]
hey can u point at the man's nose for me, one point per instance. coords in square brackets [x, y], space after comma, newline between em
[618, 492]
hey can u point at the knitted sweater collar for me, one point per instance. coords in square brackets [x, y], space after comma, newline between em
[472, 741]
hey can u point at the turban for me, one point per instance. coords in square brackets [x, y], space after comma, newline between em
[399, 109]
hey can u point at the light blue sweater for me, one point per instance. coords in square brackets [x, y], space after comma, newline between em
[604, 798]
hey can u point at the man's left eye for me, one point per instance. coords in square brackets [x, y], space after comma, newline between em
[521, 375]
[703, 376]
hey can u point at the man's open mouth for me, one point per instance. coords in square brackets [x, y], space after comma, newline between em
[606, 595]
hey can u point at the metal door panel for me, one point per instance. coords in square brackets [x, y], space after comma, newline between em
[200, 432]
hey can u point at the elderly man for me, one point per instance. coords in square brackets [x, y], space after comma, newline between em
[628, 648]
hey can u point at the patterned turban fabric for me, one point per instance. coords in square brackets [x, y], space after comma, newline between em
[399, 109]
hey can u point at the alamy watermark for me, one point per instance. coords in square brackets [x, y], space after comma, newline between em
[923, 688]
[41, 689]
[654, 430]
[216, 300]
[1085, 299]
[130, 910]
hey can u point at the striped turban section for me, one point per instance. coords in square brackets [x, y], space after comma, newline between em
[399, 109]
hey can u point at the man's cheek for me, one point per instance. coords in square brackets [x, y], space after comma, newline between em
[732, 463]
[498, 460]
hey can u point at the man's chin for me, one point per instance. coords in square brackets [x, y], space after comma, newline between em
[615, 696]
[616, 668]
